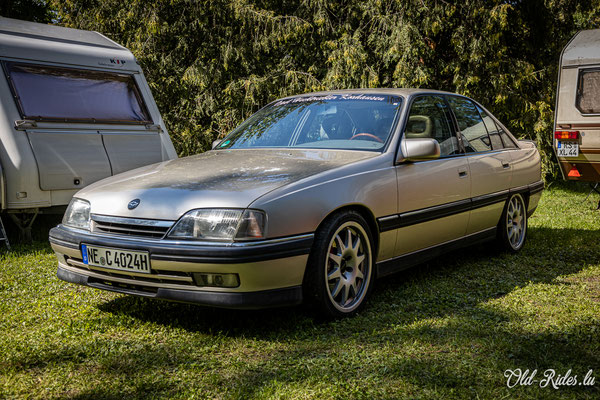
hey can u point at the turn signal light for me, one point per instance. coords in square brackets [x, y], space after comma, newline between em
[566, 135]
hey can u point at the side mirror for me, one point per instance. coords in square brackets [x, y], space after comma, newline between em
[419, 149]
[215, 143]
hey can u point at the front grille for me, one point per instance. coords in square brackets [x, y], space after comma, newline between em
[147, 228]
[154, 279]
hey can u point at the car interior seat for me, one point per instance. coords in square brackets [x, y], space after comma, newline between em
[418, 126]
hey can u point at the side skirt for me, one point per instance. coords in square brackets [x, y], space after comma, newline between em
[406, 261]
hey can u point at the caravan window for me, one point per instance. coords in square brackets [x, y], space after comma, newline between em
[588, 91]
[45, 93]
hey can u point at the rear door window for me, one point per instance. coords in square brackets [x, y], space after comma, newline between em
[47, 93]
[588, 91]
[472, 129]
[492, 129]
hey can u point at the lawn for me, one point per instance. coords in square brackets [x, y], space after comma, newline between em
[446, 329]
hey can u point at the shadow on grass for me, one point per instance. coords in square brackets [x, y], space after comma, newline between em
[456, 282]
[430, 327]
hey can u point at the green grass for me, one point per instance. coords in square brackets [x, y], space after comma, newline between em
[447, 329]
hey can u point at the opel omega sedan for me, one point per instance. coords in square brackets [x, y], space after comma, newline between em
[310, 199]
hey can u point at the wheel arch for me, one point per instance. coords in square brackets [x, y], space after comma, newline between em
[366, 213]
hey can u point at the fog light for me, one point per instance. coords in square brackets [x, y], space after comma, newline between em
[216, 280]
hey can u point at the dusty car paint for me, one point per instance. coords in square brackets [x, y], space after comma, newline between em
[230, 178]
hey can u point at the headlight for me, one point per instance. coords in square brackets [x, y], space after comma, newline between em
[220, 224]
[78, 214]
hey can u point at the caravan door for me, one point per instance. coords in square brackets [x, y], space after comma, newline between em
[129, 149]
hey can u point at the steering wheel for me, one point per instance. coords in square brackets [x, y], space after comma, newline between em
[368, 135]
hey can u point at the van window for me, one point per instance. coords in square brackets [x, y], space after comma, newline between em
[47, 93]
[588, 91]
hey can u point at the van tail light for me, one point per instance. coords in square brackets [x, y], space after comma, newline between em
[566, 135]
[574, 172]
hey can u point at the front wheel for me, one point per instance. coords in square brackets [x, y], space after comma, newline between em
[340, 274]
[513, 224]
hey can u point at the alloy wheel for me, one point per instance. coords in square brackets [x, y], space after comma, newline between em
[516, 222]
[348, 266]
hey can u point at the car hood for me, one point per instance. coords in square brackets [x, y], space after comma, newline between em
[215, 179]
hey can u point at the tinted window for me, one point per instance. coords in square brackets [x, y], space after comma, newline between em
[490, 125]
[588, 92]
[506, 140]
[335, 121]
[474, 134]
[429, 118]
[66, 94]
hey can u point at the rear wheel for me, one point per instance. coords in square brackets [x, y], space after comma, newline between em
[513, 224]
[340, 274]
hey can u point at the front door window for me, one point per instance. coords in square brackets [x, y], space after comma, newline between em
[429, 118]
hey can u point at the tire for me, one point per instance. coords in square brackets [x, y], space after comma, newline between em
[340, 270]
[512, 229]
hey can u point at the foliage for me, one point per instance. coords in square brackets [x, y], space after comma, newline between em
[212, 63]
[445, 330]
[30, 10]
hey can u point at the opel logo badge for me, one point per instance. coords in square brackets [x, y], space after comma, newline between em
[133, 204]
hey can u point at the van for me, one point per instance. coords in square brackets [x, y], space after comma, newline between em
[75, 108]
[576, 139]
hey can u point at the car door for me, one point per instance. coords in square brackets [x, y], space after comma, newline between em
[433, 196]
[489, 163]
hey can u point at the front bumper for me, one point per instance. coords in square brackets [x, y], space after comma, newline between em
[270, 271]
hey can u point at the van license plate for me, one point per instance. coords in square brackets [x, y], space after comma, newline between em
[568, 149]
[125, 260]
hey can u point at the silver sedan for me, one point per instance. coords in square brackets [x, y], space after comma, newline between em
[310, 199]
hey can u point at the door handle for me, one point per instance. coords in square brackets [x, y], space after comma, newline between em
[505, 165]
[462, 173]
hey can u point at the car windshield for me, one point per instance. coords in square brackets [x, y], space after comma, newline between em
[336, 121]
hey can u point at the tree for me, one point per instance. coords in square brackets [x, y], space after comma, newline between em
[29, 10]
[212, 63]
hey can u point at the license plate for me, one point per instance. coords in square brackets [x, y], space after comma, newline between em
[568, 149]
[125, 260]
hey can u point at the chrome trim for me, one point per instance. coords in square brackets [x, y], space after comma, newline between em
[131, 221]
[126, 231]
[138, 239]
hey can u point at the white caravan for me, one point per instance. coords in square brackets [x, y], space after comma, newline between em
[577, 115]
[76, 108]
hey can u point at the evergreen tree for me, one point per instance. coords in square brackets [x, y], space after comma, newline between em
[212, 63]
